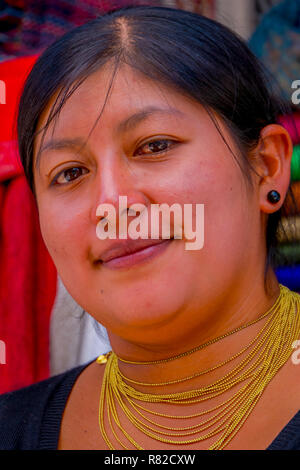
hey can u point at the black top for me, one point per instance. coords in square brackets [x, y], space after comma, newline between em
[30, 418]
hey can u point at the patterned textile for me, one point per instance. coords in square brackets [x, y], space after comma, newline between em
[11, 13]
[276, 42]
[202, 7]
[28, 26]
[27, 277]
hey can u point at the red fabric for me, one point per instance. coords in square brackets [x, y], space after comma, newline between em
[27, 275]
[13, 74]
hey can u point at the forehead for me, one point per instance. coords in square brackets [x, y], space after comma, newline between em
[115, 98]
[105, 107]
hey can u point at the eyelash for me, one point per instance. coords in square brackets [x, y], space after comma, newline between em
[54, 181]
[173, 142]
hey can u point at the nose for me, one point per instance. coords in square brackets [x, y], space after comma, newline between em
[115, 179]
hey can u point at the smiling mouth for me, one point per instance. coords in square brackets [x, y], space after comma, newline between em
[139, 256]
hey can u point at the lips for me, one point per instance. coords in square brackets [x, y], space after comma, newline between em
[127, 247]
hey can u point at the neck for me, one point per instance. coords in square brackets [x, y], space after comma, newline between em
[172, 362]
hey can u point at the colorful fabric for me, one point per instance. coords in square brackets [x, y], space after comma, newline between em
[12, 74]
[27, 277]
[30, 26]
[27, 280]
[288, 254]
[289, 229]
[295, 164]
[289, 276]
[202, 7]
[276, 42]
[292, 125]
[291, 207]
[11, 14]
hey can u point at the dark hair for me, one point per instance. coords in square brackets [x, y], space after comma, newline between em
[190, 53]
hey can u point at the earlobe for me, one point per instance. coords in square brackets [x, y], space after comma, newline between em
[273, 196]
[275, 153]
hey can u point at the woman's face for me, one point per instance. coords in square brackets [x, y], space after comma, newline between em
[154, 146]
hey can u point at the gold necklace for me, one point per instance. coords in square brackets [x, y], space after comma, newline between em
[268, 352]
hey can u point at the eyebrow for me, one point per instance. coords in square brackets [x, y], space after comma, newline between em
[135, 119]
[60, 144]
[124, 126]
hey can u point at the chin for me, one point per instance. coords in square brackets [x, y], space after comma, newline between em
[141, 311]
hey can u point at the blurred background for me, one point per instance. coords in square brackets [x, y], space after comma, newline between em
[42, 330]
[27, 26]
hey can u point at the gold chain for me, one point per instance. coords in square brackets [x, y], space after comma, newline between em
[268, 352]
[204, 345]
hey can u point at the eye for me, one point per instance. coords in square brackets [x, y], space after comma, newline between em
[69, 175]
[155, 146]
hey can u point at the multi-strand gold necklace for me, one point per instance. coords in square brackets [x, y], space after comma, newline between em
[267, 353]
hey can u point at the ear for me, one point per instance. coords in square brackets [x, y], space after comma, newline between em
[273, 155]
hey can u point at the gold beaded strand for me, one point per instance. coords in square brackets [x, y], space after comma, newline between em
[268, 352]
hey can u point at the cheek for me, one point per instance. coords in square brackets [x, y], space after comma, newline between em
[216, 183]
[228, 216]
[63, 231]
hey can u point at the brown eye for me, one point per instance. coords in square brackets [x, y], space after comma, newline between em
[155, 146]
[69, 175]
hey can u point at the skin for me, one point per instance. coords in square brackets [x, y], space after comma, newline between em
[212, 290]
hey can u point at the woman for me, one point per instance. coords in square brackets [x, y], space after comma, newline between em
[161, 106]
